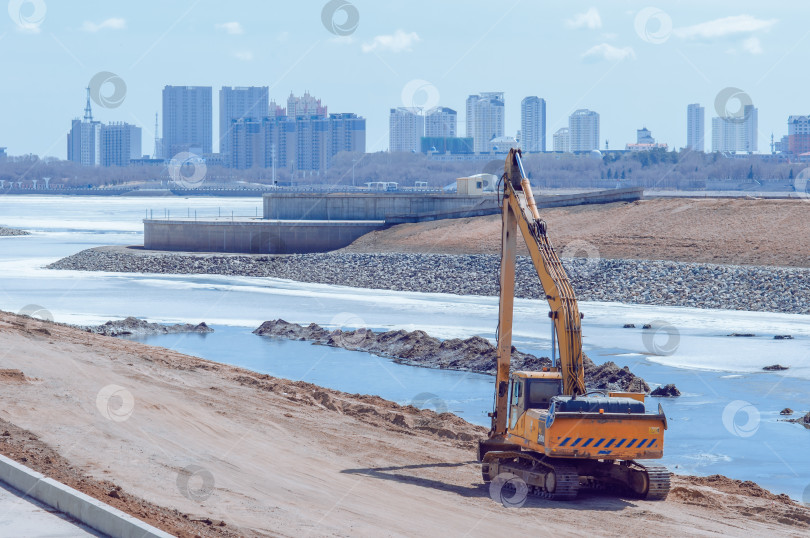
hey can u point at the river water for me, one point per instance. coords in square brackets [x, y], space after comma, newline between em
[727, 420]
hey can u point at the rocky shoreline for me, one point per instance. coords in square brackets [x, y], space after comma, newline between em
[475, 354]
[12, 232]
[651, 282]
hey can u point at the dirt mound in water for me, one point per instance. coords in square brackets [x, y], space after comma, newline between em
[417, 348]
[666, 391]
[135, 326]
[804, 421]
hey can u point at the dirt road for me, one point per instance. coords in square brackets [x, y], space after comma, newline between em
[736, 231]
[274, 457]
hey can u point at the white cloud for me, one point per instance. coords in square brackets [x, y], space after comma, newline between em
[590, 19]
[114, 23]
[609, 53]
[725, 27]
[399, 41]
[233, 28]
[752, 45]
[243, 55]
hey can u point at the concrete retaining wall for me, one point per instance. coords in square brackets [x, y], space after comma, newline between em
[89, 511]
[253, 236]
[379, 206]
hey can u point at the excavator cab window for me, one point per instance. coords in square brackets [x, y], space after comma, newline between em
[540, 392]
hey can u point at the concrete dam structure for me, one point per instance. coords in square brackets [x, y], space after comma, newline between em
[299, 223]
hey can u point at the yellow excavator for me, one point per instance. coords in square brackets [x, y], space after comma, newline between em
[547, 429]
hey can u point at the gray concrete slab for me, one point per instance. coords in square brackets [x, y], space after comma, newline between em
[24, 517]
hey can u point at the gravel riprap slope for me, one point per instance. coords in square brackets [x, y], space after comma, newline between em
[771, 289]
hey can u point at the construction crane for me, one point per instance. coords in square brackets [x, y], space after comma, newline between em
[547, 429]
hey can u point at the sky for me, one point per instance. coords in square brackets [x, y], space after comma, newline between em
[639, 64]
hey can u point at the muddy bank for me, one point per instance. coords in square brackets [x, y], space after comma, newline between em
[418, 348]
[138, 327]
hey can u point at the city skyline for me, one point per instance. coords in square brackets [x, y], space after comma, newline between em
[605, 62]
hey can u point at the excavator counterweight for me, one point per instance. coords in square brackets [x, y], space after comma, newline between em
[546, 427]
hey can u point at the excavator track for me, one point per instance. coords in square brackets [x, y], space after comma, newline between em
[658, 477]
[560, 480]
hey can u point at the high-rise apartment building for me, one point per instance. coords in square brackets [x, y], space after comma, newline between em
[583, 130]
[798, 134]
[90, 143]
[561, 140]
[485, 119]
[695, 127]
[306, 144]
[533, 124]
[120, 143]
[84, 138]
[736, 134]
[406, 126]
[304, 106]
[238, 103]
[187, 120]
[441, 122]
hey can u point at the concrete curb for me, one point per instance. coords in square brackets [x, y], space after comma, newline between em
[89, 511]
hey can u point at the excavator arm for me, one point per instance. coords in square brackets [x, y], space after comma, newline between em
[520, 213]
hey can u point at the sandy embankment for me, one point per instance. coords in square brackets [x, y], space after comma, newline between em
[285, 458]
[735, 232]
